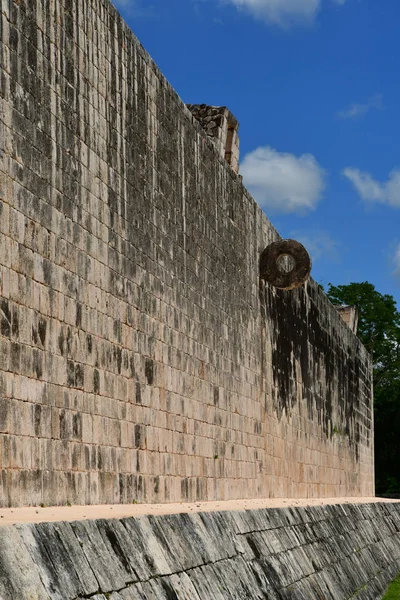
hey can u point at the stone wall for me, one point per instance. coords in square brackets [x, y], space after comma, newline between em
[141, 357]
[333, 552]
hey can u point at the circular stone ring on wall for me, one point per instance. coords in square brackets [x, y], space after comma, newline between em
[285, 264]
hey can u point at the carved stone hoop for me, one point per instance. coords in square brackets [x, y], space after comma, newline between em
[274, 274]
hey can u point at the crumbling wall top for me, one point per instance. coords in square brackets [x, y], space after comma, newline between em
[349, 315]
[222, 127]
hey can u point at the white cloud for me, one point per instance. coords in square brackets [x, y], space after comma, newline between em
[282, 12]
[319, 244]
[369, 189]
[134, 8]
[359, 110]
[396, 262]
[283, 182]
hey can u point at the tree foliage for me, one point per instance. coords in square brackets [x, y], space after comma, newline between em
[379, 330]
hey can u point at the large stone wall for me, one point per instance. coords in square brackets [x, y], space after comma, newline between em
[338, 552]
[140, 355]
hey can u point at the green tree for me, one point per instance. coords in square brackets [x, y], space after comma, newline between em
[379, 330]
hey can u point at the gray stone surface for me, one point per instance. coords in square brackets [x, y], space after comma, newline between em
[335, 553]
[19, 574]
[59, 558]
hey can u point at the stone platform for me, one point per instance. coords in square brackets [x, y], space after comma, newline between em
[295, 551]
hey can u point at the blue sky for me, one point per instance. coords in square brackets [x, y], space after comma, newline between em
[315, 86]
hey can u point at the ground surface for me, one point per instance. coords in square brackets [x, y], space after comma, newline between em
[393, 592]
[37, 514]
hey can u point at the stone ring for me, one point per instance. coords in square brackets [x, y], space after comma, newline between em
[285, 264]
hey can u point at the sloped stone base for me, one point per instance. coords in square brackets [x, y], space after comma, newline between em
[332, 552]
